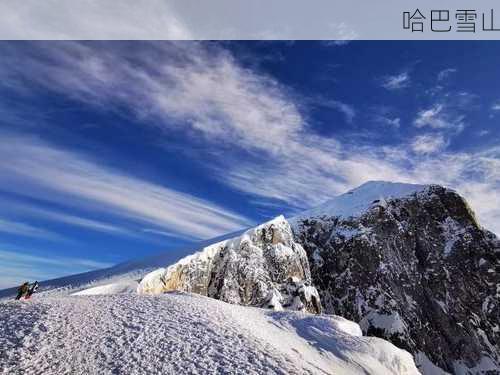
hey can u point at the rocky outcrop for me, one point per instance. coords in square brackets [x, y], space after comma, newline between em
[413, 267]
[263, 267]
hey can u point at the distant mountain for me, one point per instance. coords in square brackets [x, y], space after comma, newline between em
[411, 264]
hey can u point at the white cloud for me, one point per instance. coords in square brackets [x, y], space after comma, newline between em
[397, 81]
[496, 106]
[347, 110]
[203, 92]
[17, 267]
[32, 211]
[439, 117]
[185, 85]
[428, 143]
[385, 115]
[160, 232]
[445, 73]
[35, 169]
[27, 230]
[394, 122]
[344, 35]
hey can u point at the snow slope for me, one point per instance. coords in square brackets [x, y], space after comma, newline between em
[359, 200]
[263, 267]
[182, 333]
[120, 287]
[127, 272]
[351, 203]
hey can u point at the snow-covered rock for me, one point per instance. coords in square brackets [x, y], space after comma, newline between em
[357, 201]
[411, 264]
[262, 267]
[130, 271]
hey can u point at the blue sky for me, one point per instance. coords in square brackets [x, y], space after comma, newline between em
[116, 150]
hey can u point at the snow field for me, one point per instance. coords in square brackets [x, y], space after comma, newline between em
[179, 333]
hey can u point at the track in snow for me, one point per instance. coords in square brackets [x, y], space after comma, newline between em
[180, 334]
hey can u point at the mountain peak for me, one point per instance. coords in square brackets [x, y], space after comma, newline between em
[356, 201]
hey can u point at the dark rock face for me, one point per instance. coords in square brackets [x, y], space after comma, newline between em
[418, 271]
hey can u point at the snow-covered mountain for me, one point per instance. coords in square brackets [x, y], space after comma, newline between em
[409, 263]
[263, 267]
[119, 278]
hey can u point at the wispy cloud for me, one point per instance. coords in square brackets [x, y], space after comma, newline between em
[27, 230]
[428, 143]
[347, 110]
[161, 232]
[385, 115]
[32, 211]
[343, 35]
[38, 170]
[397, 81]
[17, 267]
[438, 117]
[204, 93]
[445, 73]
[495, 106]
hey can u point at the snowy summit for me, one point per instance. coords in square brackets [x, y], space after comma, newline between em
[359, 200]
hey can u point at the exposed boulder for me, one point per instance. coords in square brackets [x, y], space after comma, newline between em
[263, 267]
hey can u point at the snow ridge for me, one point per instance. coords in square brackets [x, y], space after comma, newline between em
[262, 267]
[357, 201]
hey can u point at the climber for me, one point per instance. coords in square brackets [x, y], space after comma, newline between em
[32, 290]
[22, 290]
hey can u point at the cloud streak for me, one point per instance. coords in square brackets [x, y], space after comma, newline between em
[16, 267]
[27, 230]
[26, 210]
[396, 82]
[203, 92]
[445, 73]
[428, 143]
[38, 170]
[437, 117]
[347, 110]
